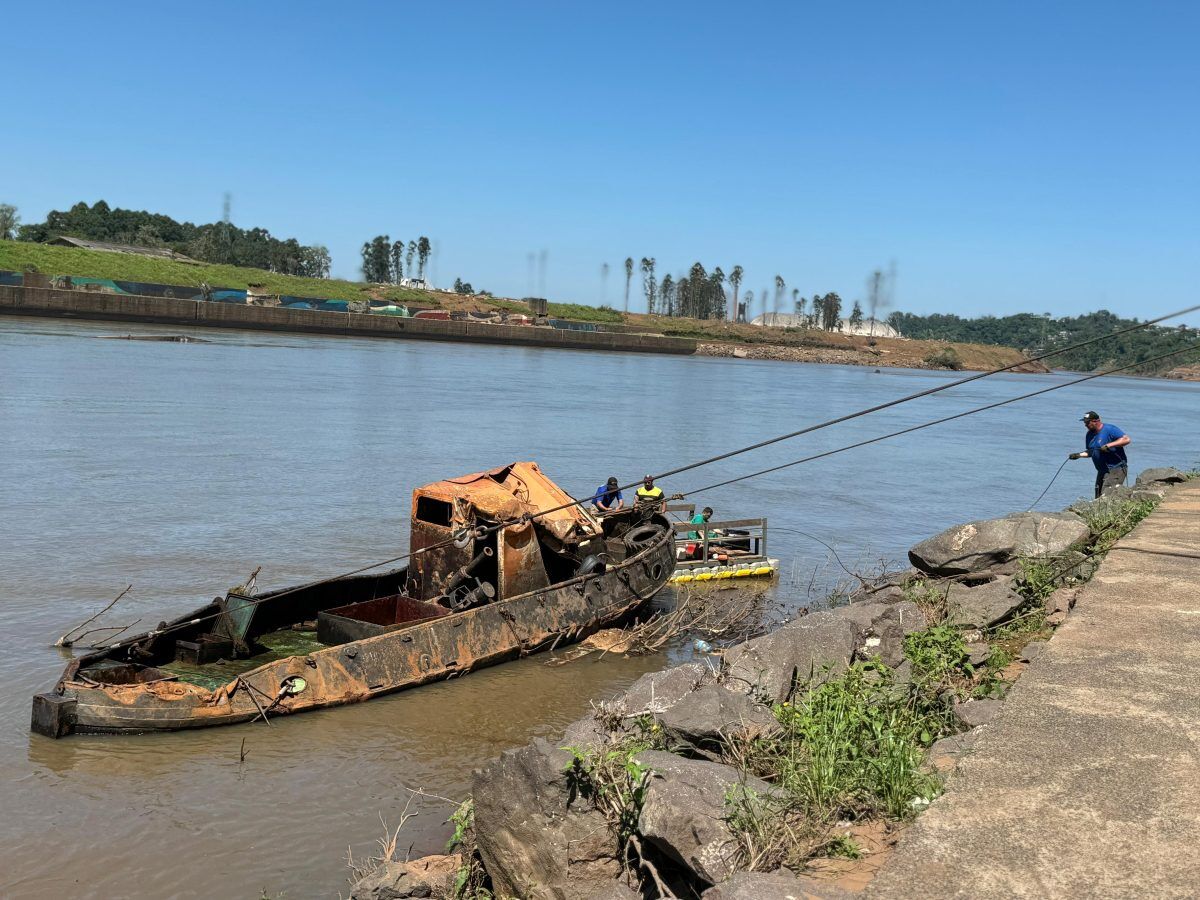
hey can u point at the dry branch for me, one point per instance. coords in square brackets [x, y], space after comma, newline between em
[67, 640]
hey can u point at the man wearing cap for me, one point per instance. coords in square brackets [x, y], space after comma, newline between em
[649, 496]
[608, 498]
[1106, 446]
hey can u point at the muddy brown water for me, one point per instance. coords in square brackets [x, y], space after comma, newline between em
[179, 468]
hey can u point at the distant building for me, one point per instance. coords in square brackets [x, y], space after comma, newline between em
[158, 252]
[788, 320]
[418, 283]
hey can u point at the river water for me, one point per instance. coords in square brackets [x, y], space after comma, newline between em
[180, 468]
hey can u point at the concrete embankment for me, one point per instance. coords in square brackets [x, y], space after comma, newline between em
[1088, 781]
[68, 304]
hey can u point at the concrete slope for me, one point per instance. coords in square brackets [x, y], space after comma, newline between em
[1088, 784]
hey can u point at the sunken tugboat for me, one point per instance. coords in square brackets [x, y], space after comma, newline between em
[498, 571]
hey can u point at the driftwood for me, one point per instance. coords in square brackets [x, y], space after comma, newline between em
[69, 639]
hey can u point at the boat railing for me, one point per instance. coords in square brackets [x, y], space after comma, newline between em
[739, 538]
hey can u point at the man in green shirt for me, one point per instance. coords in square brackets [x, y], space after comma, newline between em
[699, 519]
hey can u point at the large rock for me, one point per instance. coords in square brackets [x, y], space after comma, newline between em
[883, 628]
[973, 713]
[714, 712]
[685, 807]
[1165, 475]
[777, 885]
[769, 666]
[657, 691]
[429, 876]
[982, 605]
[536, 840]
[987, 545]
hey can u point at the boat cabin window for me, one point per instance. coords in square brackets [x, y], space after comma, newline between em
[433, 512]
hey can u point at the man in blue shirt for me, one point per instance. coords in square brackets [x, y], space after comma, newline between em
[607, 498]
[1106, 446]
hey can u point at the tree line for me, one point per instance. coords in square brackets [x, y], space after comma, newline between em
[217, 242]
[700, 294]
[1034, 333]
[385, 261]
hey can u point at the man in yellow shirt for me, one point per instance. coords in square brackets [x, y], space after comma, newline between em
[649, 496]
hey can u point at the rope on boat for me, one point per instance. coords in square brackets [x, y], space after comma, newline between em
[879, 407]
[944, 419]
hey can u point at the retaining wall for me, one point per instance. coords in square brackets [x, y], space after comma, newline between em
[67, 304]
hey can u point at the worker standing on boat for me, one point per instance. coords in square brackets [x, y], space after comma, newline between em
[608, 497]
[1105, 444]
[697, 541]
[649, 496]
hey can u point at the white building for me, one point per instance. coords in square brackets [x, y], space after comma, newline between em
[788, 320]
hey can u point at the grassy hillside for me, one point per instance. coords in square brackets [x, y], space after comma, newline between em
[17, 256]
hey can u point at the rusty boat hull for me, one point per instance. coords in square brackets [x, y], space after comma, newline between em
[107, 696]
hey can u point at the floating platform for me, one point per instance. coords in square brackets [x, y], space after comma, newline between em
[741, 568]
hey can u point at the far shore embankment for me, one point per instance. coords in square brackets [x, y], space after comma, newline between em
[102, 306]
[186, 313]
[880, 353]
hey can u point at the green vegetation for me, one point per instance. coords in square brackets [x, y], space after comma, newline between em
[613, 781]
[850, 748]
[219, 242]
[946, 358]
[470, 881]
[584, 313]
[1110, 518]
[19, 256]
[937, 653]
[1033, 333]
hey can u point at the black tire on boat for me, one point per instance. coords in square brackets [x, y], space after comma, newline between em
[592, 565]
[641, 536]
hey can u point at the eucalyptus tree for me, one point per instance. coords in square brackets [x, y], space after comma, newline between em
[409, 252]
[699, 291]
[628, 279]
[423, 251]
[716, 303]
[780, 286]
[800, 305]
[603, 283]
[735, 281]
[747, 315]
[9, 221]
[397, 261]
[856, 316]
[818, 310]
[666, 295]
[376, 264]
[648, 283]
[831, 311]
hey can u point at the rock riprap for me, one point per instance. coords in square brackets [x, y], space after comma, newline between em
[429, 876]
[769, 666]
[538, 839]
[686, 807]
[991, 544]
[981, 606]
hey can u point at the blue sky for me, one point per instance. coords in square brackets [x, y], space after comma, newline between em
[1006, 156]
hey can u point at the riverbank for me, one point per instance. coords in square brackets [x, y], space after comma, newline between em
[791, 763]
[103, 306]
[856, 350]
